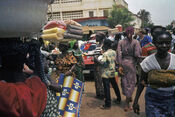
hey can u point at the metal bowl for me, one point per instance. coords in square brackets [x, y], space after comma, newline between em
[22, 17]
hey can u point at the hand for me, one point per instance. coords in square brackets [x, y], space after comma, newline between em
[120, 69]
[68, 73]
[136, 108]
[27, 70]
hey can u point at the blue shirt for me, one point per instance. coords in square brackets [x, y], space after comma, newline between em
[147, 39]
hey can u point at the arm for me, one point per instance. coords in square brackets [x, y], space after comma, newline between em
[138, 52]
[70, 71]
[119, 53]
[119, 58]
[140, 88]
[98, 61]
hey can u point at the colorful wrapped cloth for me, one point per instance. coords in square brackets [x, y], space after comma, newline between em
[148, 49]
[70, 98]
[159, 103]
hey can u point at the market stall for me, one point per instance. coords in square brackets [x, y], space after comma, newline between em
[66, 34]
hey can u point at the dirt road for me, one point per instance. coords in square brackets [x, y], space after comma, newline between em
[91, 106]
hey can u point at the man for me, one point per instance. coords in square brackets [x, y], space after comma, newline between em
[128, 52]
[100, 37]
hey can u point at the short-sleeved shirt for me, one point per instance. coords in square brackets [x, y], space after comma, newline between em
[151, 63]
[109, 58]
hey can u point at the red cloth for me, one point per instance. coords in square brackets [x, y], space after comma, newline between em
[23, 99]
[148, 49]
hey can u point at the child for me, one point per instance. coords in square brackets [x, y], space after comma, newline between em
[108, 74]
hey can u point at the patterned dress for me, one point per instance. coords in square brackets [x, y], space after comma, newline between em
[127, 53]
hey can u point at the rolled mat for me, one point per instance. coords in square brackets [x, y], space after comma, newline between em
[74, 27]
[70, 98]
[54, 30]
[75, 31]
[161, 78]
[72, 36]
[52, 36]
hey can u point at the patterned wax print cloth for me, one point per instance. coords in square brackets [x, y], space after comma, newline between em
[69, 100]
[128, 52]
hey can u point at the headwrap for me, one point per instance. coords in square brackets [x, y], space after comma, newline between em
[129, 30]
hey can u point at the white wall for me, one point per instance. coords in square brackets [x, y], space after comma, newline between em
[137, 21]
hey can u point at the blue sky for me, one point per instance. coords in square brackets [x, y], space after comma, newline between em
[162, 11]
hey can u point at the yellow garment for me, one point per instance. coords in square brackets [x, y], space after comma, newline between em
[161, 78]
[54, 30]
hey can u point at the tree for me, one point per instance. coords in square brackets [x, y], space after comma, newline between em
[119, 15]
[169, 27]
[145, 16]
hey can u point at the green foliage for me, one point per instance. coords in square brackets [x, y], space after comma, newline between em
[145, 16]
[119, 15]
[169, 27]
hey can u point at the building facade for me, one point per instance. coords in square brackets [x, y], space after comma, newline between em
[86, 12]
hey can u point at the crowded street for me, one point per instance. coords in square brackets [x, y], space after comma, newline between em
[87, 58]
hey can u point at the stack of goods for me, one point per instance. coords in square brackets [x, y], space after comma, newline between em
[148, 49]
[73, 31]
[54, 30]
[70, 98]
[64, 64]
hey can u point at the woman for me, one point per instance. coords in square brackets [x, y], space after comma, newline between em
[21, 96]
[158, 73]
[128, 52]
[66, 61]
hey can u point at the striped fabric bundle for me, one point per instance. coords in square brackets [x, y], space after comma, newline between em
[148, 49]
[70, 98]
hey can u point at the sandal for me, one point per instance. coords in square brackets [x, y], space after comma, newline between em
[126, 108]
